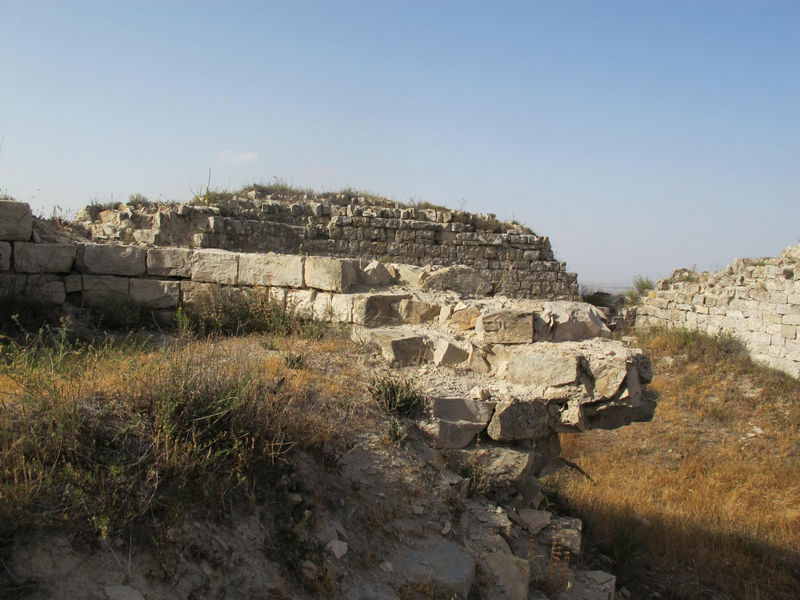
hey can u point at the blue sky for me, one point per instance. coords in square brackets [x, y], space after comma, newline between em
[640, 136]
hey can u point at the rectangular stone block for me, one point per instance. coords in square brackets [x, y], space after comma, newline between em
[45, 288]
[12, 284]
[215, 266]
[505, 327]
[154, 293]
[73, 283]
[192, 290]
[107, 259]
[169, 262]
[5, 256]
[100, 290]
[16, 221]
[377, 310]
[43, 258]
[301, 303]
[323, 310]
[282, 270]
[342, 308]
[329, 274]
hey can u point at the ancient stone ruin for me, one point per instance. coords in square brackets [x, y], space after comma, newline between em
[511, 257]
[503, 374]
[756, 300]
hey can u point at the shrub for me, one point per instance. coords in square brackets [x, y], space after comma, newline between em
[642, 284]
[396, 396]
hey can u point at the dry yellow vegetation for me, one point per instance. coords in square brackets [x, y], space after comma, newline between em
[704, 501]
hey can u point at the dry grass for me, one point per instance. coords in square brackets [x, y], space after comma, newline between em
[123, 437]
[704, 501]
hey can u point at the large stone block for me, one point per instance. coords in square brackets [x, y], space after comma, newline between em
[192, 291]
[12, 284]
[16, 221]
[414, 311]
[104, 290]
[282, 270]
[215, 266]
[329, 274]
[301, 303]
[43, 258]
[541, 365]
[45, 288]
[155, 294]
[106, 259]
[516, 419]
[505, 327]
[5, 256]
[377, 310]
[169, 262]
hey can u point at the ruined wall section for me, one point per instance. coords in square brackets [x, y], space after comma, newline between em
[518, 263]
[757, 300]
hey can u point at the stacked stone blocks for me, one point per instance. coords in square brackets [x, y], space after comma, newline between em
[519, 263]
[757, 300]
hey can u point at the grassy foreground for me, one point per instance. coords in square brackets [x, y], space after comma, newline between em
[704, 501]
[124, 437]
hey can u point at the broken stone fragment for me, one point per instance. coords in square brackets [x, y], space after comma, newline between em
[375, 273]
[413, 311]
[505, 327]
[447, 354]
[564, 321]
[464, 319]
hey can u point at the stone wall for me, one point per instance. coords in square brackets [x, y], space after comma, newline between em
[516, 261]
[757, 300]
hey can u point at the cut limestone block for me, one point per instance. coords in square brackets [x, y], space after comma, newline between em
[301, 303]
[103, 290]
[281, 270]
[451, 434]
[12, 284]
[536, 365]
[5, 256]
[329, 274]
[155, 294]
[46, 288]
[399, 346]
[43, 258]
[169, 262]
[411, 275]
[414, 311]
[342, 308]
[377, 310]
[505, 327]
[516, 419]
[192, 291]
[16, 221]
[105, 259]
[215, 266]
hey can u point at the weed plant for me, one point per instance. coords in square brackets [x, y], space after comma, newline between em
[396, 396]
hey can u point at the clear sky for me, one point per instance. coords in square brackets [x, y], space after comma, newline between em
[640, 136]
